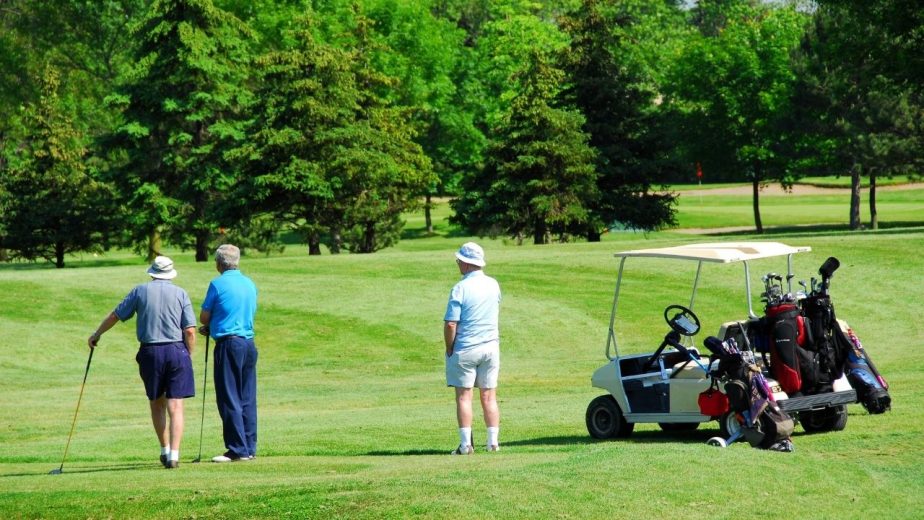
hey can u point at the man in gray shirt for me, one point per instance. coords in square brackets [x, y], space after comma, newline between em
[166, 330]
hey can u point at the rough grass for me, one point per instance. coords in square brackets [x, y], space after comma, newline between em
[356, 420]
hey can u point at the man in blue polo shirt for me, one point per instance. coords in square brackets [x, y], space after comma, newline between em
[227, 314]
[166, 329]
[470, 332]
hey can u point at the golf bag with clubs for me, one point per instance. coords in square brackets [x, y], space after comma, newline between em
[763, 423]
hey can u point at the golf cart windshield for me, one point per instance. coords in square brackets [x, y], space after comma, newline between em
[723, 253]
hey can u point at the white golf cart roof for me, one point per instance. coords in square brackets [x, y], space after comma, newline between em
[713, 252]
[718, 252]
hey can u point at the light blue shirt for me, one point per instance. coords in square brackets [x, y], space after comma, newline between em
[164, 311]
[474, 303]
[232, 300]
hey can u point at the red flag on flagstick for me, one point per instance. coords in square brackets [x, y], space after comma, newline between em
[699, 171]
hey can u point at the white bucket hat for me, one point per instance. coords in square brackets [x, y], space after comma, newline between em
[162, 268]
[471, 253]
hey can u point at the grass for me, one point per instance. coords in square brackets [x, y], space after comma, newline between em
[356, 420]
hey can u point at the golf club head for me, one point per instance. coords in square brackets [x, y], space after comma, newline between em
[196, 460]
[56, 471]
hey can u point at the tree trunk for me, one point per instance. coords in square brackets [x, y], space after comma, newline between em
[428, 203]
[855, 198]
[59, 254]
[873, 214]
[755, 190]
[314, 244]
[369, 238]
[154, 244]
[202, 245]
[540, 234]
[336, 241]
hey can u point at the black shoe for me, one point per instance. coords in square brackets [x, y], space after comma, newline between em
[228, 456]
[163, 461]
[172, 464]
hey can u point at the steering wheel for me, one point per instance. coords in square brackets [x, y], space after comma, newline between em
[683, 322]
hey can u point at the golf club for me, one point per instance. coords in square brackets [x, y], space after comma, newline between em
[74, 422]
[205, 381]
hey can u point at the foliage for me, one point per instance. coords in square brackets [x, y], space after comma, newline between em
[46, 160]
[618, 104]
[539, 177]
[180, 107]
[732, 88]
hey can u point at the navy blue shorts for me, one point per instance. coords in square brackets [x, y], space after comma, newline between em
[166, 371]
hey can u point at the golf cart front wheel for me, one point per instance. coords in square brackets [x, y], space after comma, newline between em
[605, 420]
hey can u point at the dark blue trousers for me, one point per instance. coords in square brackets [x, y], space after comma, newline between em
[236, 393]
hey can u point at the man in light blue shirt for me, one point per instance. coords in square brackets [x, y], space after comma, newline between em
[470, 332]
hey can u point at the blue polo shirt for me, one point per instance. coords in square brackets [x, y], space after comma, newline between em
[163, 309]
[474, 303]
[232, 300]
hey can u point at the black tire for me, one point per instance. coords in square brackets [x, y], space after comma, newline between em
[826, 420]
[679, 427]
[729, 425]
[605, 420]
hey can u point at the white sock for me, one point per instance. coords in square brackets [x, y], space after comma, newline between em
[174, 454]
[465, 436]
[493, 433]
[165, 450]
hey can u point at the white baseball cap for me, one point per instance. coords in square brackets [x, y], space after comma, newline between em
[471, 253]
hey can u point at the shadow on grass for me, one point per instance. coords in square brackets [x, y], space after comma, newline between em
[885, 228]
[96, 469]
[404, 453]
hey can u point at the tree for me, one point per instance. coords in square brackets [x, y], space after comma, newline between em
[539, 177]
[331, 155]
[619, 108]
[732, 91]
[51, 204]
[180, 108]
[856, 120]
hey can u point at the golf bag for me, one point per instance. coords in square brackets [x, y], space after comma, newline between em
[872, 389]
[764, 424]
[789, 362]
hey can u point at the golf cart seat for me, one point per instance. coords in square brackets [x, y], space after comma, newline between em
[683, 365]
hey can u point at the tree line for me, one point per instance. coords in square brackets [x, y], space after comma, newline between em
[134, 123]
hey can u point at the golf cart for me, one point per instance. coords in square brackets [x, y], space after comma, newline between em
[664, 386]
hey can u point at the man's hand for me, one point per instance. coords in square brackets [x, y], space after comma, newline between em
[204, 330]
[93, 340]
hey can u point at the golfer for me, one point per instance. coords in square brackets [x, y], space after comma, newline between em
[472, 340]
[227, 314]
[166, 329]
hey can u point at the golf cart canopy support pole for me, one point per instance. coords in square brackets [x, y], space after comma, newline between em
[722, 253]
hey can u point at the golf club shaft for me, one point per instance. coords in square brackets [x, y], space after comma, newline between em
[205, 381]
[79, 398]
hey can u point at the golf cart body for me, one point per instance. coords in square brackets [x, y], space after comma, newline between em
[664, 386]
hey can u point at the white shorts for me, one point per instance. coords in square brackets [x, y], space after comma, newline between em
[476, 366]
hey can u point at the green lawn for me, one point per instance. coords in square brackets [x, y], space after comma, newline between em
[356, 420]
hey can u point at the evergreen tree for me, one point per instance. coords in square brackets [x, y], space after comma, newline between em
[539, 176]
[51, 205]
[180, 106]
[619, 108]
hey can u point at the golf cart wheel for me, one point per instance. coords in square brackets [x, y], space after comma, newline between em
[826, 420]
[679, 427]
[729, 425]
[605, 419]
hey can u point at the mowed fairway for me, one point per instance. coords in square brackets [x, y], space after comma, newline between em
[356, 421]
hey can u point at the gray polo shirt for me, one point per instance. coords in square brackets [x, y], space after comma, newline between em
[163, 309]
